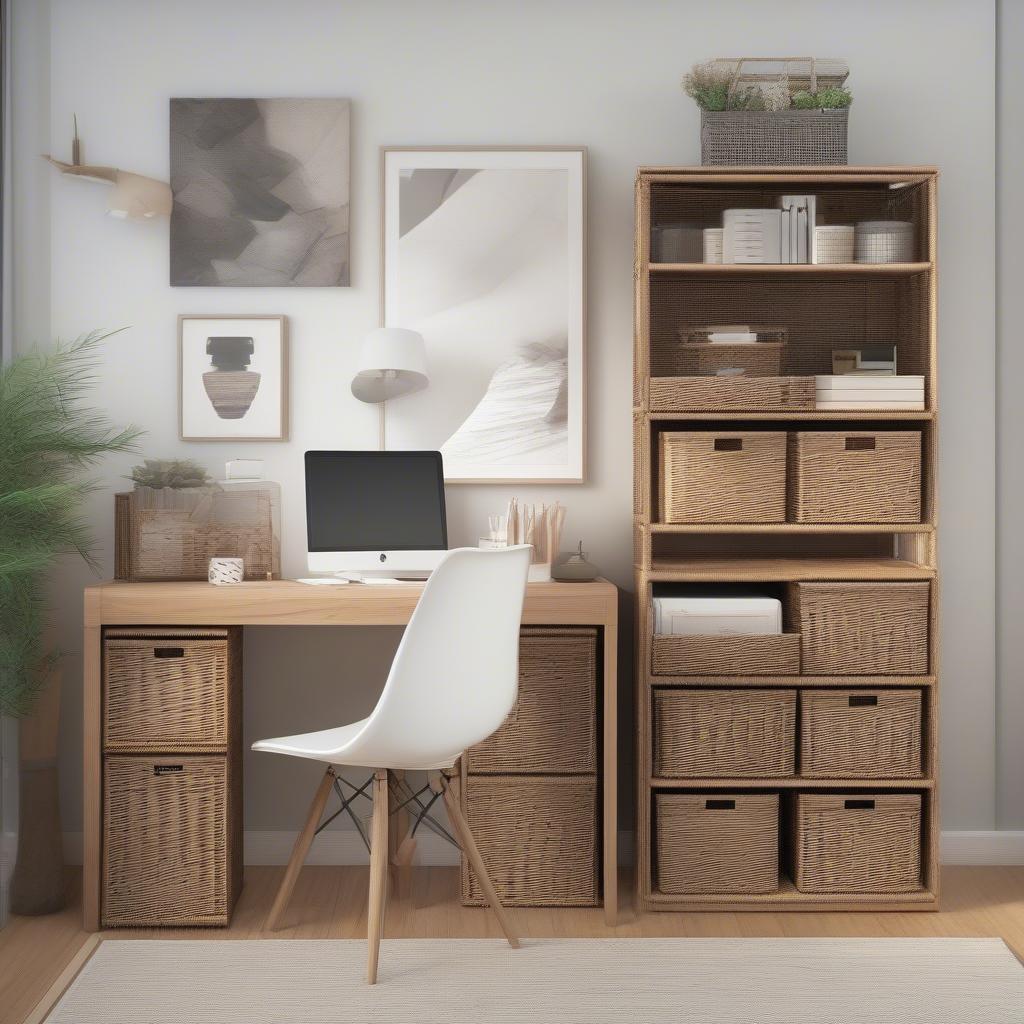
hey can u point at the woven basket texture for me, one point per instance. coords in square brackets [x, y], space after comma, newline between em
[166, 852]
[863, 842]
[752, 394]
[855, 476]
[860, 734]
[553, 727]
[731, 477]
[702, 845]
[862, 628]
[771, 138]
[167, 691]
[724, 733]
[538, 838]
[726, 655]
[762, 359]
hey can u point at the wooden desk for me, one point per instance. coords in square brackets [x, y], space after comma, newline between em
[287, 603]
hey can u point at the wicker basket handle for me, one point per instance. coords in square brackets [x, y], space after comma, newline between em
[720, 805]
[859, 805]
[728, 444]
[860, 444]
[168, 652]
[864, 700]
[784, 75]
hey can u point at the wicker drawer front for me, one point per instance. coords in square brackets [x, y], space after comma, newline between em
[166, 841]
[538, 838]
[862, 628]
[727, 655]
[730, 477]
[855, 477]
[724, 733]
[756, 394]
[553, 727]
[721, 843]
[857, 843]
[860, 734]
[167, 690]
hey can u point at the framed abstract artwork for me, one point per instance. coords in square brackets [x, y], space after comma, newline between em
[261, 192]
[233, 378]
[484, 255]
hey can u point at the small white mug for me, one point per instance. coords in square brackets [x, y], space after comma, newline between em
[225, 571]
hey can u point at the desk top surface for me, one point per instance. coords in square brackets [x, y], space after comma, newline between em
[289, 603]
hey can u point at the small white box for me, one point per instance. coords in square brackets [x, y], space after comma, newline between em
[751, 236]
[717, 616]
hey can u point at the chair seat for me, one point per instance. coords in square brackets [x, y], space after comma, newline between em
[326, 745]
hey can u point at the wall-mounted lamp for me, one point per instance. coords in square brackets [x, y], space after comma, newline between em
[134, 195]
[392, 363]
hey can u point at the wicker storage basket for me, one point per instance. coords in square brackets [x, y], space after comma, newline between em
[731, 477]
[861, 628]
[172, 841]
[552, 728]
[770, 138]
[724, 733]
[857, 843]
[170, 689]
[732, 394]
[538, 838]
[173, 533]
[756, 359]
[721, 843]
[726, 655]
[855, 476]
[860, 734]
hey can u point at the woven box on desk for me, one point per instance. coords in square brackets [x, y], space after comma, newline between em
[854, 476]
[722, 477]
[861, 628]
[724, 733]
[171, 534]
[860, 734]
[857, 843]
[717, 843]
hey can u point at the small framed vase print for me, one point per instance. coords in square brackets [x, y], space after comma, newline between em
[233, 378]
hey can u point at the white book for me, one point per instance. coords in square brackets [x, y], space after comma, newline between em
[867, 395]
[853, 381]
[852, 406]
[732, 338]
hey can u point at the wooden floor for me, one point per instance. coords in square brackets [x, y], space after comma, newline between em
[330, 902]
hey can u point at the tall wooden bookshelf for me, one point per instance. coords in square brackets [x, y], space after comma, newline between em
[824, 307]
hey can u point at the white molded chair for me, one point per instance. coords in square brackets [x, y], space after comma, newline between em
[453, 682]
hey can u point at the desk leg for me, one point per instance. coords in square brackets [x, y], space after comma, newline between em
[611, 761]
[92, 774]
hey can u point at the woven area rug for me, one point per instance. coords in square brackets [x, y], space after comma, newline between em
[570, 981]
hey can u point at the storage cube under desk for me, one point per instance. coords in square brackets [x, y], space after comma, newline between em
[172, 777]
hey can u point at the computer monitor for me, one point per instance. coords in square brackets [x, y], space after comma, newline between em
[375, 513]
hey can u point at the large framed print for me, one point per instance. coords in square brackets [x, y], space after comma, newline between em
[484, 255]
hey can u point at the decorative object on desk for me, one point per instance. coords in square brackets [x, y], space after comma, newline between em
[884, 241]
[261, 192]
[225, 571]
[243, 469]
[48, 439]
[170, 532]
[771, 110]
[833, 243]
[574, 568]
[392, 363]
[233, 378]
[539, 526]
[712, 245]
[134, 195]
[484, 256]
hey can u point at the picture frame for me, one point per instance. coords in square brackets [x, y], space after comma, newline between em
[476, 244]
[233, 377]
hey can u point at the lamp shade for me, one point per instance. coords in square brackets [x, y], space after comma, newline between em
[392, 363]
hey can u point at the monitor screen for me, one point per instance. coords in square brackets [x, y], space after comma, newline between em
[375, 501]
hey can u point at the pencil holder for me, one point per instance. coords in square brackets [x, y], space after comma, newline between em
[226, 571]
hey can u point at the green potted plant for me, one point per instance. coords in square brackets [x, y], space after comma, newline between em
[49, 437]
[771, 111]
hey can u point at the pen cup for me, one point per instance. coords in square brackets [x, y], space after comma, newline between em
[224, 572]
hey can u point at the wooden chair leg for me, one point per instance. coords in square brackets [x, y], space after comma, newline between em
[469, 847]
[301, 849]
[378, 872]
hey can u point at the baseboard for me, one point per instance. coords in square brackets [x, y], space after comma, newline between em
[343, 846]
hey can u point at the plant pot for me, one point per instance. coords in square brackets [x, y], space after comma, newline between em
[772, 138]
[38, 885]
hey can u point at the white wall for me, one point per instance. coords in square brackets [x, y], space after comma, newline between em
[602, 73]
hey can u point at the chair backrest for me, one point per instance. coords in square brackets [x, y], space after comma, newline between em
[455, 675]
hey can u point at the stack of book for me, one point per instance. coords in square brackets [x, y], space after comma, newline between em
[783, 235]
[869, 391]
